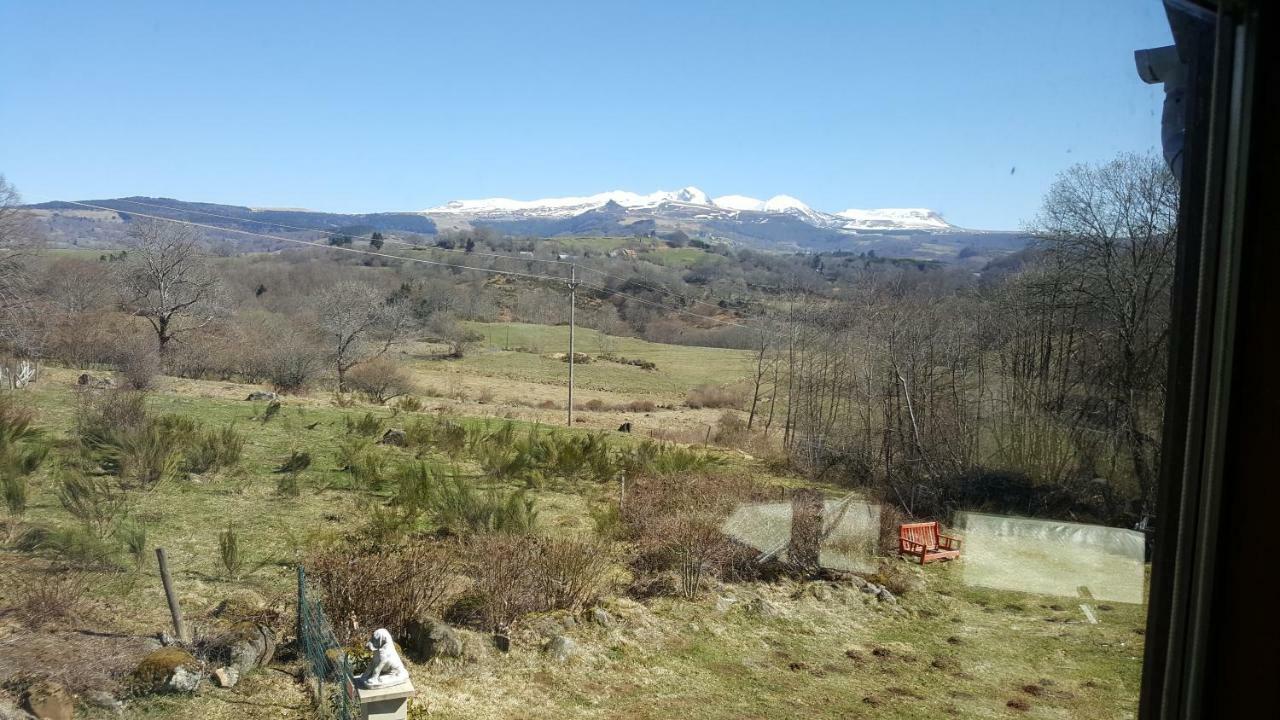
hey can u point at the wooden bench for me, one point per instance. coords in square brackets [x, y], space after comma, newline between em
[925, 541]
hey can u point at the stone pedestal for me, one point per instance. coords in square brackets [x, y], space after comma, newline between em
[386, 703]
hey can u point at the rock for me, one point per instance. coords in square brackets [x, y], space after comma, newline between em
[858, 581]
[261, 395]
[600, 616]
[169, 669]
[246, 646]
[185, 680]
[98, 383]
[886, 596]
[871, 588]
[560, 648]
[9, 711]
[725, 604]
[49, 701]
[763, 608]
[394, 436]
[434, 639]
[102, 699]
[167, 640]
[226, 677]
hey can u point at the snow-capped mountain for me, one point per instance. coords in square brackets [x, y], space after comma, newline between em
[691, 203]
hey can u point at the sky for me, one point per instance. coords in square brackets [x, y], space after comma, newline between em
[969, 108]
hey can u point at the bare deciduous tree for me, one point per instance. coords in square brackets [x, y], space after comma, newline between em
[19, 332]
[359, 323]
[167, 280]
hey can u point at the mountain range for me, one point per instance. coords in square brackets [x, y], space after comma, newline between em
[781, 222]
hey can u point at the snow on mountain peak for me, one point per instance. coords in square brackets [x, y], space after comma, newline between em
[783, 203]
[851, 220]
[888, 218]
[738, 202]
[693, 196]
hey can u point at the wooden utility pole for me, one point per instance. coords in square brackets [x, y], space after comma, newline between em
[175, 611]
[573, 301]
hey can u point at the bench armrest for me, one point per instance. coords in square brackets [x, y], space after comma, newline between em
[903, 544]
[949, 542]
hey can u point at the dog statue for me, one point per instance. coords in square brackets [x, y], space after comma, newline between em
[385, 667]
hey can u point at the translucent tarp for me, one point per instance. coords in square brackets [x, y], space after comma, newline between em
[1052, 557]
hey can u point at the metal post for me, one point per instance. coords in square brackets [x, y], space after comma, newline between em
[174, 610]
[573, 301]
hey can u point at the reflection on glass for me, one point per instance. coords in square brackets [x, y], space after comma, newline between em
[1051, 557]
[847, 541]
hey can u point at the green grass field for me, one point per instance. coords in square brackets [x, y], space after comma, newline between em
[679, 367]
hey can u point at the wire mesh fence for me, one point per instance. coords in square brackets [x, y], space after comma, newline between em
[327, 666]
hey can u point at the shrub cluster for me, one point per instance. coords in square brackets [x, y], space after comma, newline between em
[714, 396]
[637, 362]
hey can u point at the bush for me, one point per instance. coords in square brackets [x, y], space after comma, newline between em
[642, 364]
[138, 364]
[75, 545]
[15, 491]
[95, 501]
[22, 451]
[454, 505]
[391, 587]
[117, 434]
[293, 366]
[409, 403]
[367, 426]
[297, 461]
[675, 524]
[366, 462]
[56, 599]
[230, 553]
[714, 396]
[516, 575]
[380, 380]
[213, 450]
[641, 406]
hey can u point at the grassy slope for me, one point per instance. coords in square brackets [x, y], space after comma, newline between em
[680, 367]
[672, 658]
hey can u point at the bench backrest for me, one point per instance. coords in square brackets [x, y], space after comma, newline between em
[925, 533]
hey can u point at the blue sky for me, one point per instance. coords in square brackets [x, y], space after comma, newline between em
[367, 106]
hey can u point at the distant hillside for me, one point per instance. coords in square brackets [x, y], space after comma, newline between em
[777, 224]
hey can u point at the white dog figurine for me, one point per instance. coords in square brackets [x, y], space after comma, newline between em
[385, 667]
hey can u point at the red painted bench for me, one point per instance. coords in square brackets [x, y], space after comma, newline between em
[925, 541]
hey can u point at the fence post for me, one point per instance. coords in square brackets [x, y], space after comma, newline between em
[175, 612]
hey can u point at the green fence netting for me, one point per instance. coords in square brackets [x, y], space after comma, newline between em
[327, 667]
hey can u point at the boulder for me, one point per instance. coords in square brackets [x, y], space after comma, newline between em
[226, 677]
[185, 680]
[261, 395]
[434, 639]
[49, 701]
[560, 648]
[169, 669]
[9, 711]
[246, 646]
[762, 608]
[600, 616]
[394, 436]
[102, 699]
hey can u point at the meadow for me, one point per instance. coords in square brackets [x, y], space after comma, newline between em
[781, 648]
